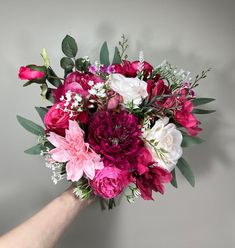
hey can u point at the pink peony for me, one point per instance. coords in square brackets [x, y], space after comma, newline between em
[26, 73]
[116, 136]
[152, 180]
[72, 149]
[185, 118]
[109, 182]
[76, 82]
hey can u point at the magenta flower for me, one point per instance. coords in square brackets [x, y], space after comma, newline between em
[109, 182]
[26, 73]
[116, 136]
[80, 158]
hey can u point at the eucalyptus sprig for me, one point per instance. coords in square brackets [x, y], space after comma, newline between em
[123, 47]
[199, 77]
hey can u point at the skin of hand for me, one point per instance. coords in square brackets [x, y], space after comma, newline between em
[44, 228]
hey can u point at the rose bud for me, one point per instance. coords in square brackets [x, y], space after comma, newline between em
[31, 72]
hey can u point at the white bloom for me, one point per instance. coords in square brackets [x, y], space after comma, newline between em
[164, 142]
[130, 88]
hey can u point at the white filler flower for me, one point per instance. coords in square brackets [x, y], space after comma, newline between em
[164, 142]
[132, 89]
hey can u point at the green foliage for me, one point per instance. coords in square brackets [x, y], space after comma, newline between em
[69, 46]
[82, 189]
[116, 57]
[30, 126]
[104, 54]
[67, 63]
[186, 171]
[53, 78]
[173, 181]
[190, 140]
[82, 64]
[44, 89]
[203, 111]
[35, 150]
[41, 111]
[201, 101]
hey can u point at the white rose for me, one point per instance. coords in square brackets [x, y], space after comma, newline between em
[132, 89]
[164, 142]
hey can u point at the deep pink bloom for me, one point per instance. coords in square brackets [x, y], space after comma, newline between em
[185, 118]
[152, 180]
[109, 182]
[130, 69]
[155, 88]
[26, 73]
[76, 82]
[115, 135]
[72, 149]
[57, 120]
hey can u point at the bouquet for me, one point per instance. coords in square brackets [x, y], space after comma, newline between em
[114, 128]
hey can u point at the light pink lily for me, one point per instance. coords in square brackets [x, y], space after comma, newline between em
[80, 158]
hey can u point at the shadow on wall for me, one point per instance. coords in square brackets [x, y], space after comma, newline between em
[93, 228]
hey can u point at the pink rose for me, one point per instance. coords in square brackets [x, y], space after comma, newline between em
[76, 82]
[27, 73]
[57, 120]
[109, 182]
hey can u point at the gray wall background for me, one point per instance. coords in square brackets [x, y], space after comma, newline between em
[192, 34]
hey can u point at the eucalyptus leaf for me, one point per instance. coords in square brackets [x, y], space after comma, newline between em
[201, 101]
[41, 111]
[190, 140]
[104, 54]
[35, 150]
[69, 46]
[203, 111]
[116, 57]
[30, 126]
[186, 171]
[173, 181]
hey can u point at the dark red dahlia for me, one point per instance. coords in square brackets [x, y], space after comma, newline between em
[115, 135]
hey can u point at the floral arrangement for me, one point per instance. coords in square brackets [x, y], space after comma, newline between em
[114, 128]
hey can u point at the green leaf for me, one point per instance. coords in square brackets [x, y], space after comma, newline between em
[49, 96]
[82, 64]
[69, 46]
[66, 63]
[35, 150]
[104, 54]
[173, 181]
[30, 126]
[41, 111]
[186, 171]
[190, 140]
[116, 57]
[203, 111]
[53, 78]
[201, 101]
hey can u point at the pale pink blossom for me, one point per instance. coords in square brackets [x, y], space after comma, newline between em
[80, 158]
